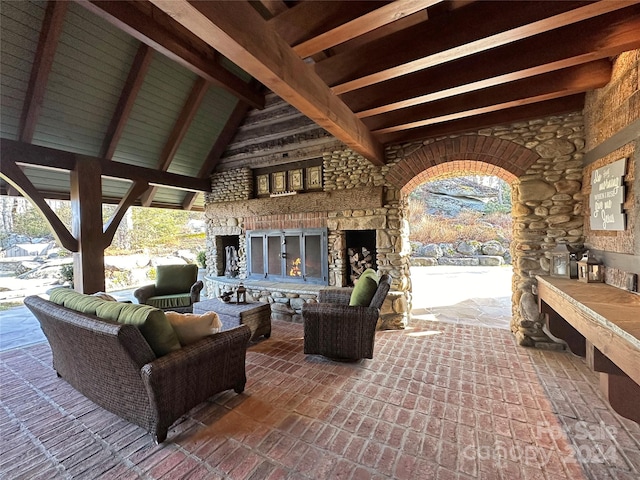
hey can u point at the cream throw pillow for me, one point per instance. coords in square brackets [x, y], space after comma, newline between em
[191, 327]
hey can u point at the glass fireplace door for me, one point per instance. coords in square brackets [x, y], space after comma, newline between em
[288, 255]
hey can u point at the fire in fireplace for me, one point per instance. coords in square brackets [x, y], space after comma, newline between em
[288, 255]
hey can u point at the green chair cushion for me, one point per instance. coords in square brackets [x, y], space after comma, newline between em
[164, 302]
[365, 289]
[175, 278]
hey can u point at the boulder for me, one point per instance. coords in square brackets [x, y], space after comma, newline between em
[493, 247]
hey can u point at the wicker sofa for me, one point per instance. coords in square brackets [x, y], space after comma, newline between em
[114, 366]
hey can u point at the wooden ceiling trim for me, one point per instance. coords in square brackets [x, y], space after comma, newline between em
[127, 100]
[242, 35]
[347, 72]
[608, 35]
[558, 84]
[470, 124]
[364, 24]
[130, 19]
[42, 64]
[180, 128]
[45, 157]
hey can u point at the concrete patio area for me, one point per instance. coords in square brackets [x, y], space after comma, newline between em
[443, 399]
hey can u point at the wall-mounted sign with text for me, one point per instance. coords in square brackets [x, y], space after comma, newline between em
[607, 196]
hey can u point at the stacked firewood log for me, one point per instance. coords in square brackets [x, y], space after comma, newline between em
[359, 260]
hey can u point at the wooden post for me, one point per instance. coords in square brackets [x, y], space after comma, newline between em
[86, 208]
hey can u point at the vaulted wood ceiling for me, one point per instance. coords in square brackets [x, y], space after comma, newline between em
[370, 73]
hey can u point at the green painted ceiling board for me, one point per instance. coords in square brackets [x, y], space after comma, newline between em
[210, 119]
[84, 85]
[19, 35]
[163, 94]
[49, 180]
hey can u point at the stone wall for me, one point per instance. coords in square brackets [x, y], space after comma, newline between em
[546, 193]
[612, 123]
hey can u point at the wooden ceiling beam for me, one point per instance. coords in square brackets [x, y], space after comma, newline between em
[144, 28]
[14, 175]
[562, 83]
[399, 54]
[44, 157]
[242, 35]
[365, 23]
[600, 37]
[42, 63]
[189, 110]
[308, 20]
[127, 100]
[507, 116]
[274, 7]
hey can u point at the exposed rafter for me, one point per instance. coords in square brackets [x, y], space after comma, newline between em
[241, 34]
[540, 88]
[217, 149]
[128, 18]
[132, 86]
[43, 61]
[516, 114]
[180, 128]
[381, 60]
[364, 24]
[607, 35]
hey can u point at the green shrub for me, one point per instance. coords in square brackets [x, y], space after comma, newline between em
[201, 258]
[66, 271]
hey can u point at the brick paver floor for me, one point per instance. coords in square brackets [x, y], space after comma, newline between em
[438, 401]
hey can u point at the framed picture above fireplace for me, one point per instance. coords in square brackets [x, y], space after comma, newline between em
[298, 256]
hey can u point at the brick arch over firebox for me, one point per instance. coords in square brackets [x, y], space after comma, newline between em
[460, 155]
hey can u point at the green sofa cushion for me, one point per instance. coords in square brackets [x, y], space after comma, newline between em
[365, 289]
[164, 302]
[152, 322]
[175, 278]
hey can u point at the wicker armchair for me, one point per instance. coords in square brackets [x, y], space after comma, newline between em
[336, 330]
[177, 288]
[113, 365]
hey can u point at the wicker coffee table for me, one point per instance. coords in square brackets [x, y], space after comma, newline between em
[257, 316]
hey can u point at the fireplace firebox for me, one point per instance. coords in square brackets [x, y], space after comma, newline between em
[288, 255]
[361, 253]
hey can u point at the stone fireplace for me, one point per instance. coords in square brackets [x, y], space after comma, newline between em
[323, 229]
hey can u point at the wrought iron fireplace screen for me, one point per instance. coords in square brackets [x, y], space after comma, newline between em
[288, 255]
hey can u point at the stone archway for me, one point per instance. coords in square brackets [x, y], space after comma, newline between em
[542, 161]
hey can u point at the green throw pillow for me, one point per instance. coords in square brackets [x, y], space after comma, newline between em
[365, 289]
[152, 322]
[175, 278]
